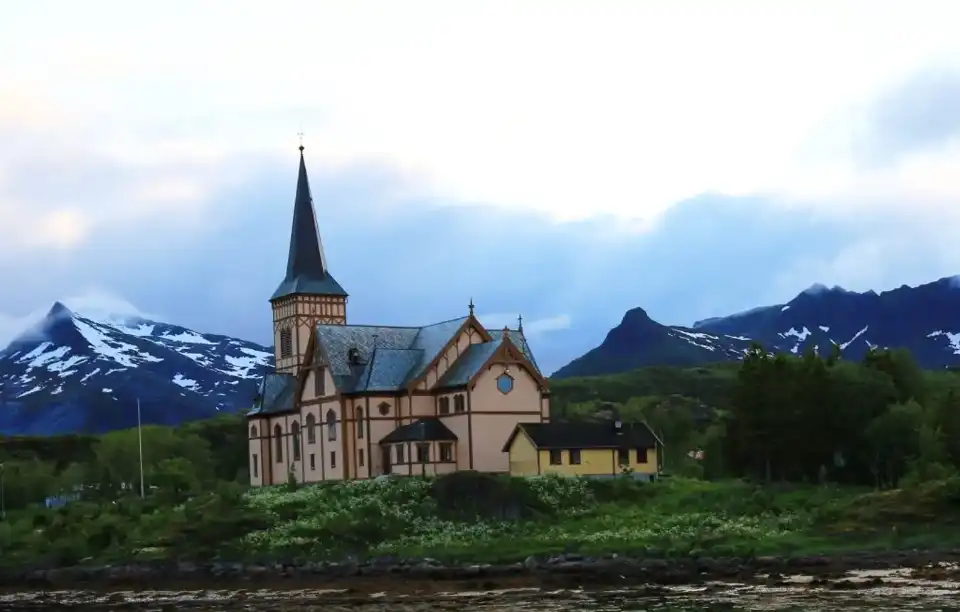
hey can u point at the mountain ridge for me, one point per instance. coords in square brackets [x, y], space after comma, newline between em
[71, 373]
[924, 319]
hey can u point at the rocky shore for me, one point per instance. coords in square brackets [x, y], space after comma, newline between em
[425, 575]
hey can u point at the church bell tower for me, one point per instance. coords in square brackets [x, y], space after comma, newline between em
[308, 294]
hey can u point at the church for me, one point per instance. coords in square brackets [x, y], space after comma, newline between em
[349, 401]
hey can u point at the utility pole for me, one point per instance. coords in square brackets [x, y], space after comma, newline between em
[140, 444]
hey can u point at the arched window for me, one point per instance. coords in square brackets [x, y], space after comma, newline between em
[278, 442]
[295, 434]
[253, 431]
[359, 413]
[331, 425]
[311, 428]
[459, 404]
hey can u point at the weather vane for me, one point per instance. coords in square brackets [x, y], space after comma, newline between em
[300, 135]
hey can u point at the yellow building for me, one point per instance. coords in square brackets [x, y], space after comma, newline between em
[358, 401]
[584, 449]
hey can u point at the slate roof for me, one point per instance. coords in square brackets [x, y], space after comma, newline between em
[546, 436]
[385, 358]
[423, 430]
[469, 363]
[275, 394]
[307, 271]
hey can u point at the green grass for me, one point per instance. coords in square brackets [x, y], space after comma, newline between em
[672, 518]
[416, 518]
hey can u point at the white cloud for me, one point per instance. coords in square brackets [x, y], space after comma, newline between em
[573, 108]
[533, 327]
[95, 304]
[549, 324]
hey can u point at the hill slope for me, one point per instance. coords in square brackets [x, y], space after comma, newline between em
[73, 373]
[640, 341]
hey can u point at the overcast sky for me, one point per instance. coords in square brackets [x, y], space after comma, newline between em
[564, 159]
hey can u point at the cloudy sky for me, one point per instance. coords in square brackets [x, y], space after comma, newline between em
[564, 159]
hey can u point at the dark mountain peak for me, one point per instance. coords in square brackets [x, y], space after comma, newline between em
[59, 311]
[817, 289]
[637, 316]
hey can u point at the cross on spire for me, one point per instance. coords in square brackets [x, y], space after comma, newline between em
[471, 307]
[520, 322]
[300, 135]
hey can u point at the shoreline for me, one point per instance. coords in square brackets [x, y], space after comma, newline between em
[424, 576]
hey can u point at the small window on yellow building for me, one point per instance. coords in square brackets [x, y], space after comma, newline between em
[641, 455]
[574, 456]
[333, 459]
[313, 462]
[556, 457]
[400, 458]
[446, 452]
[360, 457]
[444, 405]
[256, 468]
[623, 456]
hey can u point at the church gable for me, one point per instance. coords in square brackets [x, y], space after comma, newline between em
[479, 357]
[456, 341]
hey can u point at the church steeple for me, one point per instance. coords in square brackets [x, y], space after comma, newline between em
[307, 272]
[308, 295]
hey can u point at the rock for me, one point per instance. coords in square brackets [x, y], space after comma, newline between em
[531, 563]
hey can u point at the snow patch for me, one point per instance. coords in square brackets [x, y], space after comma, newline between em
[187, 337]
[186, 383]
[824, 328]
[31, 391]
[953, 339]
[693, 337]
[785, 308]
[855, 336]
[111, 348]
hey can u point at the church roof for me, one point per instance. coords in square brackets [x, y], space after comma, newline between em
[307, 271]
[275, 394]
[422, 430]
[371, 358]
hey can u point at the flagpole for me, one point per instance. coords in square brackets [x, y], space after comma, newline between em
[140, 444]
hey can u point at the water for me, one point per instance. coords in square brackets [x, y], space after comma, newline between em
[894, 595]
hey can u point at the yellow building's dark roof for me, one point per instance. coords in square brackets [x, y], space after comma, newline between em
[548, 436]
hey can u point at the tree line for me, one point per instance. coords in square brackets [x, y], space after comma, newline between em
[177, 461]
[800, 418]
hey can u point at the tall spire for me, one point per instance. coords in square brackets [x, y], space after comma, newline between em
[307, 271]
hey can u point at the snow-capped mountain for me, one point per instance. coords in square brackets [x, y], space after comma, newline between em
[923, 319]
[74, 373]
